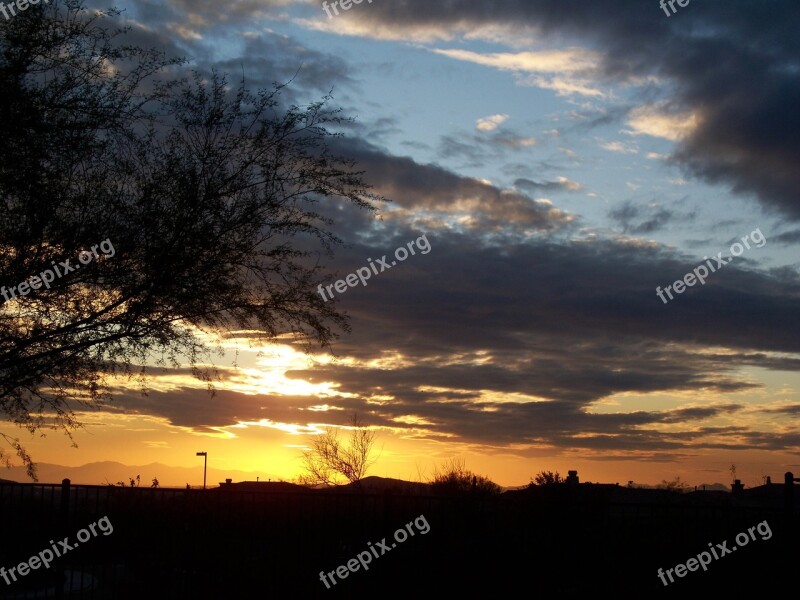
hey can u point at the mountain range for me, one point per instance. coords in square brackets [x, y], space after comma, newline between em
[101, 473]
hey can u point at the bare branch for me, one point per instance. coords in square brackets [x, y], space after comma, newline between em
[329, 460]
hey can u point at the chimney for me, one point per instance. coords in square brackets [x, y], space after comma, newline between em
[572, 478]
[737, 487]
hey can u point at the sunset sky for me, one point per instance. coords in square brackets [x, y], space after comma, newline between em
[563, 160]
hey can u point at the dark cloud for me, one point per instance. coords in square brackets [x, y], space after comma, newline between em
[735, 65]
[270, 57]
[636, 219]
[555, 424]
[567, 323]
[200, 411]
[478, 148]
[432, 190]
[514, 327]
[788, 238]
[191, 30]
[515, 343]
[204, 15]
[793, 409]
[453, 146]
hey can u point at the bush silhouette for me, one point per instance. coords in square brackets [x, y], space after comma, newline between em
[454, 478]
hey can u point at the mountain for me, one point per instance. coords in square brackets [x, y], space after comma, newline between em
[714, 487]
[100, 473]
[375, 484]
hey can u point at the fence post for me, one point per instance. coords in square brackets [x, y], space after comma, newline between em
[63, 518]
[64, 500]
[788, 495]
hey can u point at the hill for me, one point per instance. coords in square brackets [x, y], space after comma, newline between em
[100, 473]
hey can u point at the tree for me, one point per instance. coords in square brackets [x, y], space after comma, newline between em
[455, 478]
[329, 459]
[205, 194]
[676, 485]
[547, 478]
[134, 482]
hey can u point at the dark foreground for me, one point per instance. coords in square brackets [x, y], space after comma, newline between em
[566, 542]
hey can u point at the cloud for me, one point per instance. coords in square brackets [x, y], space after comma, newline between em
[269, 57]
[236, 11]
[565, 87]
[514, 141]
[729, 105]
[653, 121]
[566, 72]
[549, 61]
[650, 219]
[504, 341]
[477, 148]
[788, 238]
[490, 123]
[421, 191]
[559, 184]
[516, 326]
[620, 147]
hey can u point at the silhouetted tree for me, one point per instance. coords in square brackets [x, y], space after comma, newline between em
[205, 194]
[454, 478]
[134, 482]
[547, 478]
[329, 459]
[676, 485]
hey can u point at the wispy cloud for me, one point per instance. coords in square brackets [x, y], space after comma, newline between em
[566, 72]
[620, 147]
[490, 123]
[560, 183]
[657, 122]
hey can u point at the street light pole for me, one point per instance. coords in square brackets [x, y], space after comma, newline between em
[205, 466]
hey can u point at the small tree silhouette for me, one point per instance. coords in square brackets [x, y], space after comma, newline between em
[546, 478]
[329, 459]
[676, 485]
[455, 478]
[133, 482]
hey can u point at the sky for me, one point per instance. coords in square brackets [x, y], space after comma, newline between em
[564, 161]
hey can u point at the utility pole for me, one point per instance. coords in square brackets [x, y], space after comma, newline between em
[205, 466]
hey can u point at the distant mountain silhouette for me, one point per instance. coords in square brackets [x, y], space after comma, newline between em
[261, 486]
[714, 487]
[98, 473]
[374, 484]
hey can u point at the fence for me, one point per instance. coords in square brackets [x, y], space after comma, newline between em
[177, 543]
